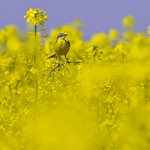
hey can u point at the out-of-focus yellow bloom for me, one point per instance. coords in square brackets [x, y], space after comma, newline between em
[30, 33]
[128, 21]
[148, 30]
[140, 39]
[128, 34]
[113, 34]
[78, 23]
[33, 70]
[2, 36]
[30, 26]
[44, 29]
[100, 39]
[40, 46]
[45, 36]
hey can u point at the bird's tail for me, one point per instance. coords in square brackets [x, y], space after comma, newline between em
[51, 56]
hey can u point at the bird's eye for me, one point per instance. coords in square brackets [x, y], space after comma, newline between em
[60, 35]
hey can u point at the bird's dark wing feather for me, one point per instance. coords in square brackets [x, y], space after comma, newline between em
[68, 43]
[55, 42]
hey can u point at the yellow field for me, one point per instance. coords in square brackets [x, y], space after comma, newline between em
[101, 103]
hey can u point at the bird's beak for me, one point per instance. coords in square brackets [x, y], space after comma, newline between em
[66, 34]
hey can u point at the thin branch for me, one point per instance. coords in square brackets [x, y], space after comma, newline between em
[76, 62]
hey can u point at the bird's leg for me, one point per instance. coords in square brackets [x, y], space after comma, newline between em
[59, 60]
[67, 60]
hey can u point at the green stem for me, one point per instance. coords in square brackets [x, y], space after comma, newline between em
[35, 30]
[76, 62]
[35, 59]
[14, 62]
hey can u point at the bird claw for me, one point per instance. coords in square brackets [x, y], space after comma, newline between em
[68, 61]
[58, 65]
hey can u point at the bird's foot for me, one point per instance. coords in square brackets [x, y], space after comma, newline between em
[68, 61]
[58, 65]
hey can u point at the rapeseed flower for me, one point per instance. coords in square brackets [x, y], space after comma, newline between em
[36, 16]
[45, 36]
[148, 30]
[128, 21]
[113, 34]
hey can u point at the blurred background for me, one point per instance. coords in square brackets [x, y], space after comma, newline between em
[96, 15]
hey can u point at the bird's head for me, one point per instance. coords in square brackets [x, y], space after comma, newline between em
[61, 35]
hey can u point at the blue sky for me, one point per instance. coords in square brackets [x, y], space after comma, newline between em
[97, 15]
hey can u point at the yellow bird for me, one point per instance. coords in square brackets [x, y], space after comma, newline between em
[61, 46]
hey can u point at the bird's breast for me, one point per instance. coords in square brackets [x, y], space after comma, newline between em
[61, 47]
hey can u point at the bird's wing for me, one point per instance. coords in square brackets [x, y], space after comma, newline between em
[55, 42]
[68, 43]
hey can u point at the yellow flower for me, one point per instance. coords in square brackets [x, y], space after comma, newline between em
[41, 23]
[30, 26]
[45, 36]
[36, 16]
[41, 11]
[30, 33]
[44, 29]
[30, 14]
[128, 35]
[148, 30]
[128, 21]
[113, 34]
[33, 70]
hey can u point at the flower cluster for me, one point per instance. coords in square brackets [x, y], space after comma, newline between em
[36, 16]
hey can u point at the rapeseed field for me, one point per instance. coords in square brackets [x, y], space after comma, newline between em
[98, 101]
